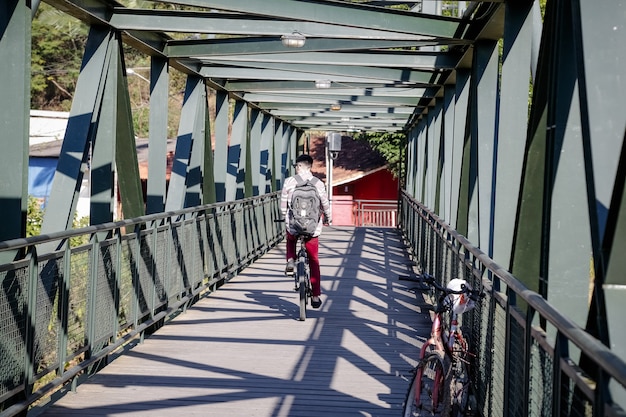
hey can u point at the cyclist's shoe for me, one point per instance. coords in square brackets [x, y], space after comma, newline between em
[289, 268]
[316, 303]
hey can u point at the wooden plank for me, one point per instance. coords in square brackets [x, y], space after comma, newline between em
[242, 351]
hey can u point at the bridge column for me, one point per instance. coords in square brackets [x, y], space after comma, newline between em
[237, 152]
[514, 87]
[447, 142]
[433, 173]
[221, 144]
[410, 162]
[157, 149]
[280, 154]
[461, 100]
[484, 142]
[266, 154]
[186, 176]
[15, 38]
[99, 128]
[256, 131]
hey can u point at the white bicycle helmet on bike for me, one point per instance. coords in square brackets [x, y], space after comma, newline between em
[460, 302]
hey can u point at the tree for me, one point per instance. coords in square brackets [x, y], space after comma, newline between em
[390, 146]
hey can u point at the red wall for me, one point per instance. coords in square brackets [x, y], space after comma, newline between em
[380, 185]
[377, 186]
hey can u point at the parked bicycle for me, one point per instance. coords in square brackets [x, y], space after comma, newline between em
[441, 380]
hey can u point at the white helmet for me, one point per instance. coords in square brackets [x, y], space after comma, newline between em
[460, 302]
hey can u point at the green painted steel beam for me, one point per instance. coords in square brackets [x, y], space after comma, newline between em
[346, 14]
[256, 126]
[343, 73]
[331, 114]
[74, 155]
[195, 173]
[378, 59]
[208, 182]
[461, 94]
[157, 150]
[299, 87]
[15, 35]
[344, 107]
[127, 164]
[447, 153]
[486, 69]
[99, 12]
[221, 144]
[184, 163]
[102, 160]
[266, 154]
[236, 24]
[236, 144]
[271, 45]
[516, 72]
[321, 99]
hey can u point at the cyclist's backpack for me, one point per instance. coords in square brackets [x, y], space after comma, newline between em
[305, 206]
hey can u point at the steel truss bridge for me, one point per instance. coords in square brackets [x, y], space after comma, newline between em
[515, 166]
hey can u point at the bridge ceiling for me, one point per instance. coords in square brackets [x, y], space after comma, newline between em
[384, 64]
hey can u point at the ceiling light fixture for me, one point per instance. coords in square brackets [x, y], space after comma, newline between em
[335, 107]
[293, 40]
[322, 84]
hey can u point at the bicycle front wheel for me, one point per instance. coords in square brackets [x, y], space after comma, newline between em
[426, 395]
[303, 289]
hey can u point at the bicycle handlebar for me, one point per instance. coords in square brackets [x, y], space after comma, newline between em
[474, 295]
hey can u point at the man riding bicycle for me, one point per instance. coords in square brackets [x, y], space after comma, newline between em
[303, 173]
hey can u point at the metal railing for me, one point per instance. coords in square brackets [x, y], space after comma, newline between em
[530, 359]
[375, 213]
[64, 311]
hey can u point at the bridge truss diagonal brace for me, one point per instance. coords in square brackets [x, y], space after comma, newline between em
[186, 176]
[84, 116]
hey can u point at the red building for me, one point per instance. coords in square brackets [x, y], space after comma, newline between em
[365, 192]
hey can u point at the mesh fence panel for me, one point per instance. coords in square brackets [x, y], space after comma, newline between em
[80, 270]
[13, 301]
[145, 288]
[128, 265]
[175, 265]
[516, 365]
[540, 381]
[47, 314]
[159, 281]
[101, 292]
[103, 314]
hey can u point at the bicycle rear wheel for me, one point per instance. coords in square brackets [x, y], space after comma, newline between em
[460, 383]
[303, 289]
[426, 395]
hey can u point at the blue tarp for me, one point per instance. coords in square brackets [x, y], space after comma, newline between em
[40, 175]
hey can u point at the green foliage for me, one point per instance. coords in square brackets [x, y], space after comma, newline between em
[34, 217]
[34, 220]
[390, 146]
[58, 42]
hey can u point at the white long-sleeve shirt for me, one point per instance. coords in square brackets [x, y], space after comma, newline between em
[285, 200]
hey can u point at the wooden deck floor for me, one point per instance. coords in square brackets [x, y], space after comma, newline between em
[242, 352]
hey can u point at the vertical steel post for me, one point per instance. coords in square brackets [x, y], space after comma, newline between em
[157, 149]
[221, 144]
[15, 51]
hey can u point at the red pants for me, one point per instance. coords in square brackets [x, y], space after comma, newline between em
[312, 248]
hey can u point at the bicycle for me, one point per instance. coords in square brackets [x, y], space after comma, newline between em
[302, 276]
[441, 380]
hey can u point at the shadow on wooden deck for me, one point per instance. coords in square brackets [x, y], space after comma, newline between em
[242, 352]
